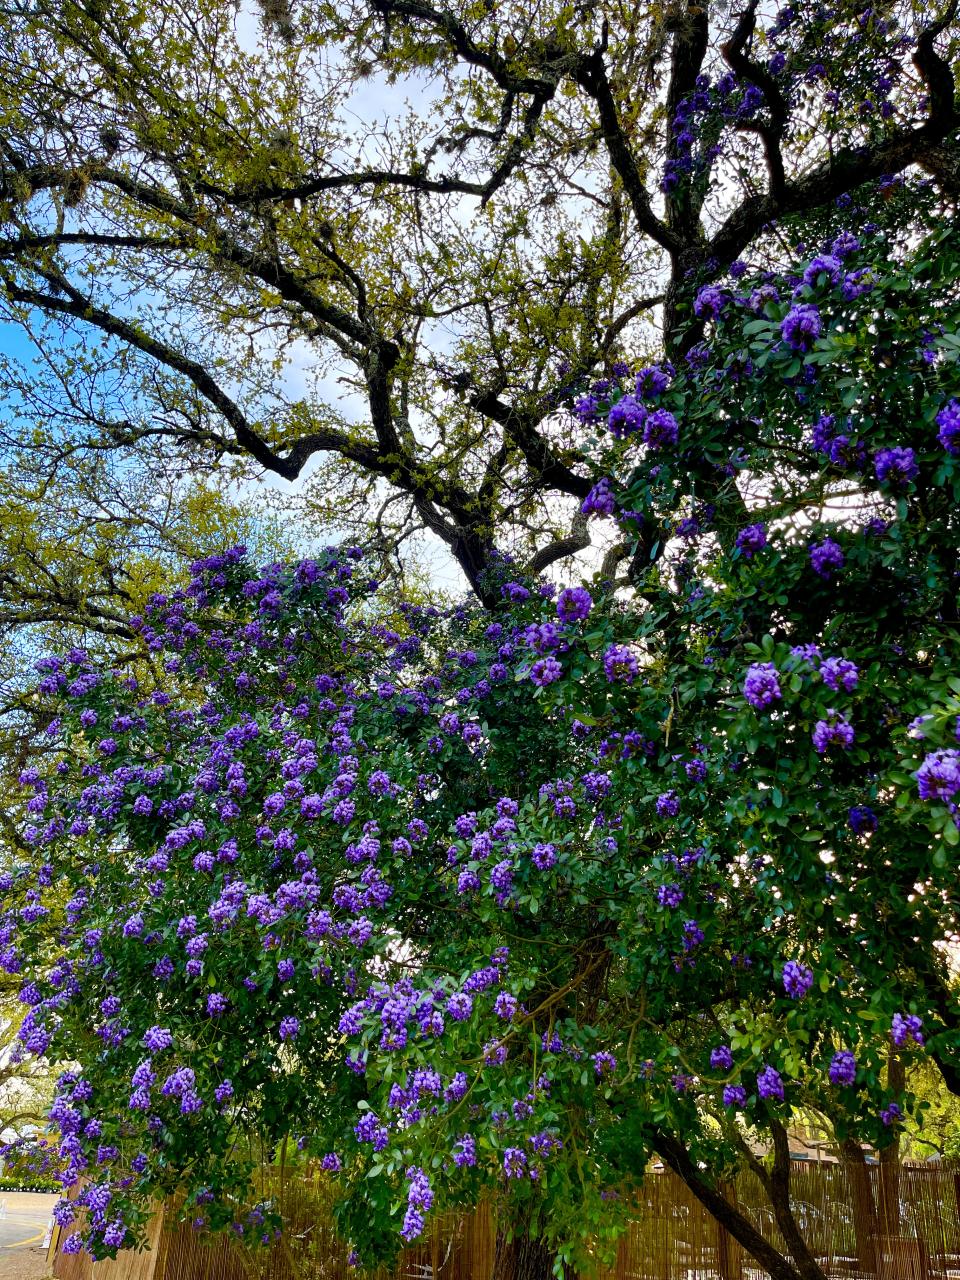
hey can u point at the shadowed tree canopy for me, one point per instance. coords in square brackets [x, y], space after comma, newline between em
[371, 246]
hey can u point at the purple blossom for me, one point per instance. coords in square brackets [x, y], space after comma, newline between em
[604, 1064]
[501, 877]
[693, 935]
[545, 671]
[938, 778]
[948, 420]
[289, 1028]
[620, 664]
[587, 408]
[721, 1059]
[843, 1068]
[801, 326]
[839, 673]
[653, 381]
[505, 1006]
[751, 540]
[600, 500]
[465, 1152]
[419, 1193]
[845, 244]
[668, 804]
[862, 819]
[467, 881]
[413, 1224]
[761, 686]
[660, 429]
[825, 557]
[797, 979]
[710, 302]
[626, 417]
[543, 856]
[825, 264]
[837, 729]
[857, 283]
[133, 926]
[769, 1084]
[734, 1095]
[896, 467]
[574, 604]
[460, 1006]
[157, 1038]
[891, 1114]
[904, 1027]
[669, 895]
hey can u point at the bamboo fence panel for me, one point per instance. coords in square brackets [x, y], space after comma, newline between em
[671, 1236]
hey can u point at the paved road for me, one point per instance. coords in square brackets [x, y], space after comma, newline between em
[23, 1220]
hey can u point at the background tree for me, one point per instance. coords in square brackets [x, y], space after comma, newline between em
[221, 263]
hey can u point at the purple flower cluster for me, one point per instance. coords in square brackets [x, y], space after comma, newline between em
[626, 417]
[710, 302]
[825, 557]
[669, 895]
[891, 1114]
[545, 671]
[895, 468]
[862, 820]
[938, 778]
[721, 1059]
[600, 500]
[905, 1027]
[419, 1202]
[839, 673]
[823, 265]
[801, 326]
[843, 1068]
[769, 1083]
[660, 429]
[761, 687]
[948, 421]
[574, 604]
[845, 452]
[620, 664]
[751, 540]
[465, 1152]
[668, 804]
[835, 730]
[797, 979]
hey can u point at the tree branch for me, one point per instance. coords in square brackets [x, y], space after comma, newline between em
[578, 540]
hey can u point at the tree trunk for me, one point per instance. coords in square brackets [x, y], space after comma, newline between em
[675, 1155]
[890, 1157]
[522, 1258]
[866, 1225]
[777, 1186]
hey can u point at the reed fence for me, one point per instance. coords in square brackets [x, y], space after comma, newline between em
[858, 1227]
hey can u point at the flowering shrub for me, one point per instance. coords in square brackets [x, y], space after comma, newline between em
[467, 899]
